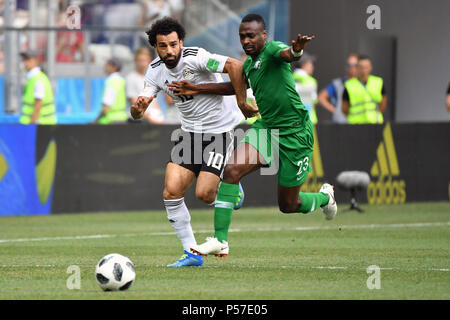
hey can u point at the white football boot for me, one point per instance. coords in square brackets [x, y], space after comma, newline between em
[330, 209]
[211, 246]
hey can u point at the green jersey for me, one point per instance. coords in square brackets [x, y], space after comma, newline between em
[273, 85]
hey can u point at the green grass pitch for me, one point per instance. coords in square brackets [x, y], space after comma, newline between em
[272, 255]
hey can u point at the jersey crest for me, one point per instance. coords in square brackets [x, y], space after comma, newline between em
[257, 64]
[188, 74]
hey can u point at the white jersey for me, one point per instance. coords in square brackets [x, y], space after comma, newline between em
[205, 113]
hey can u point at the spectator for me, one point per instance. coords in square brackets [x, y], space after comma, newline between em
[37, 100]
[305, 84]
[2, 61]
[176, 8]
[448, 98]
[19, 20]
[114, 102]
[364, 99]
[331, 97]
[153, 10]
[69, 44]
[135, 83]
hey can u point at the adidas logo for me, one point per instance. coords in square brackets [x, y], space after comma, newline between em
[3, 166]
[387, 189]
[314, 182]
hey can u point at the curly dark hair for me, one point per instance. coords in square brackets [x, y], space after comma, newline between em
[164, 27]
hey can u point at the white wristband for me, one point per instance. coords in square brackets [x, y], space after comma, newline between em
[296, 54]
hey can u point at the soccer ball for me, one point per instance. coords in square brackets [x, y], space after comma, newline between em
[115, 272]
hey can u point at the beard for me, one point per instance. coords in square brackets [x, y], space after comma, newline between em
[171, 61]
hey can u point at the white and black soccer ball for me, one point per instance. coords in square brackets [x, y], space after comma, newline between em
[115, 272]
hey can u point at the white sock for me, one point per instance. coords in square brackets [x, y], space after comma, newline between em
[179, 217]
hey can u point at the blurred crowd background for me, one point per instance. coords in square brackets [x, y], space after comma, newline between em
[74, 59]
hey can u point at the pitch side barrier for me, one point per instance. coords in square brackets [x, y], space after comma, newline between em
[95, 168]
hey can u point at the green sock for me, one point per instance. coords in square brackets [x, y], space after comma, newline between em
[226, 198]
[312, 201]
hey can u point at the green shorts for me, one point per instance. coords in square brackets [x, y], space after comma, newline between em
[293, 159]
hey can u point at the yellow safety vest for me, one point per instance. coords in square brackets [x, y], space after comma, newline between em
[47, 114]
[308, 93]
[364, 100]
[117, 112]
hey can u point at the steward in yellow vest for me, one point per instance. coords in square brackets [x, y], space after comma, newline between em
[306, 84]
[364, 99]
[37, 100]
[114, 101]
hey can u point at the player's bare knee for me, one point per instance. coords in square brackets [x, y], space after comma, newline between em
[231, 174]
[206, 195]
[171, 194]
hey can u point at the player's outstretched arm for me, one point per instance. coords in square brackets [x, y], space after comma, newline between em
[137, 110]
[188, 88]
[295, 51]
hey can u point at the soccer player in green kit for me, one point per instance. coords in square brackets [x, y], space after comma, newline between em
[284, 121]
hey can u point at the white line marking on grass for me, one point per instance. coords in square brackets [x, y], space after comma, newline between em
[329, 267]
[95, 236]
[307, 228]
[239, 266]
[29, 266]
[314, 267]
[445, 270]
[373, 226]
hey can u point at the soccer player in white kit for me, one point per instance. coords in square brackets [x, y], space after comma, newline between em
[205, 140]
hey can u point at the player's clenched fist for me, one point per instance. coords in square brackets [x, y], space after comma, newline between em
[248, 110]
[138, 109]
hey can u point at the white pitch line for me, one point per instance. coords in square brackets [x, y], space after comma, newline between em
[239, 266]
[95, 236]
[373, 226]
[28, 266]
[307, 228]
[442, 269]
